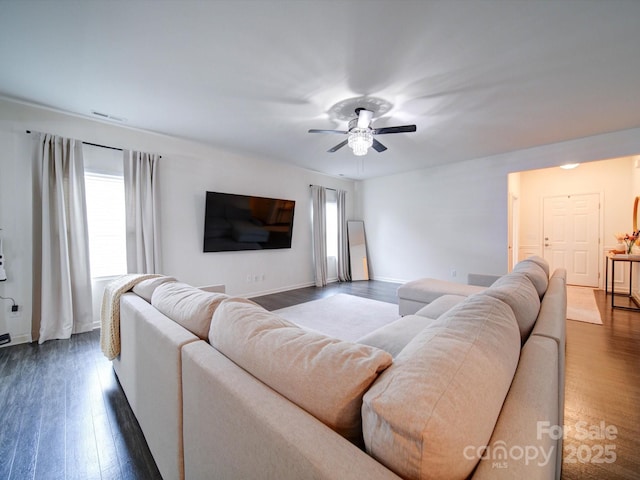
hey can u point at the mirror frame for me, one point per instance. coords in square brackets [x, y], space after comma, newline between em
[635, 214]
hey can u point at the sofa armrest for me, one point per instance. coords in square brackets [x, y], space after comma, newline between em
[149, 369]
[528, 421]
[552, 323]
[237, 427]
[553, 310]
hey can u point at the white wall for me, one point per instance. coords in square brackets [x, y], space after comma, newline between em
[15, 221]
[420, 223]
[635, 178]
[183, 183]
[612, 178]
[187, 170]
[429, 222]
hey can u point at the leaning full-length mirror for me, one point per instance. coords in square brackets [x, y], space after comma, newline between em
[357, 250]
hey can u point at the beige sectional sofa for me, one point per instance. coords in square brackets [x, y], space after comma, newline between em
[224, 389]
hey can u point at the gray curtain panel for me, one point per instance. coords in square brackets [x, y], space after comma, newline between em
[61, 276]
[344, 274]
[140, 171]
[319, 225]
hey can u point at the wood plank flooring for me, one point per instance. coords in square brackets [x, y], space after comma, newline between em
[603, 385]
[63, 414]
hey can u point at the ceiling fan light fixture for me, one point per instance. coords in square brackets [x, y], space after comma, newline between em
[359, 140]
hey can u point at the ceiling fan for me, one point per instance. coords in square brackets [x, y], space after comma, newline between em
[360, 134]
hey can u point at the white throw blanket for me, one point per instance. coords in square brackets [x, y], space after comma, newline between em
[110, 312]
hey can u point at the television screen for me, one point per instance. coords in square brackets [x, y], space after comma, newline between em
[241, 222]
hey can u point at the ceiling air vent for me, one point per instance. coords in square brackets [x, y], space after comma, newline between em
[106, 116]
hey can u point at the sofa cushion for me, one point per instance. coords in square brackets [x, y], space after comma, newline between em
[443, 392]
[517, 291]
[325, 376]
[440, 305]
[541, 262]
[394, 336]
[189, 306]
[146, 288]
[534, 269]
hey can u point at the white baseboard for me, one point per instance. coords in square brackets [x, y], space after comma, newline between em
[275, 290]
[26, 338]
[389, 279]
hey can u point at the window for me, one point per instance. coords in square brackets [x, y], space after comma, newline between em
[104, 185]
[332, 224]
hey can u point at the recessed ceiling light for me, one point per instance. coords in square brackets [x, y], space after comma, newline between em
[569, 166]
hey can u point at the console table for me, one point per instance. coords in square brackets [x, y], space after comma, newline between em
[613, 258]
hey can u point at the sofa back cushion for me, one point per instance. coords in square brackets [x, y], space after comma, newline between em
[517, 291]
[325, 376]
[189, 306]
[537, 270]
[440, 305]
[394, 336]
[444, 391]
[541, 262]
[145, 288]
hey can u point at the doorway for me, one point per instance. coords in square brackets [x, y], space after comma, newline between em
[571, 235]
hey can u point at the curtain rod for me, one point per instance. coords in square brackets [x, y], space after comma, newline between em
[97, 145]
[326, 188]
[94, 144]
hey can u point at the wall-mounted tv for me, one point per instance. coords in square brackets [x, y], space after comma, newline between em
[242, 222]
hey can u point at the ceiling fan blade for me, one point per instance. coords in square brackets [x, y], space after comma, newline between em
[377, 146]
[313, 130]
[338, 146]
[402, 129]
[364, 117]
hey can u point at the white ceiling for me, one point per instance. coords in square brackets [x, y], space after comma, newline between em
[476, 77]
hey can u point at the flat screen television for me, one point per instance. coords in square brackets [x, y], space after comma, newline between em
[242, 222]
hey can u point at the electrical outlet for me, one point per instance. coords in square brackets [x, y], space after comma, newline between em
[454, 273]
[249, 277]
[15, 311]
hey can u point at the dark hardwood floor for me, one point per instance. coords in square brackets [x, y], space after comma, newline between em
[383, 291]
[63, 414]
[603, 388]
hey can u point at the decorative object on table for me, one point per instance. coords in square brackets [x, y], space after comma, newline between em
[626, 241]
[620, 248]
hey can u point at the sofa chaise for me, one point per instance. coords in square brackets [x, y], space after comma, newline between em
[225, 389]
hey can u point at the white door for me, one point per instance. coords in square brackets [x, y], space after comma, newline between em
[571, 232]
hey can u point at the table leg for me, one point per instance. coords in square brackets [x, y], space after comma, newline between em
[613, 278]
